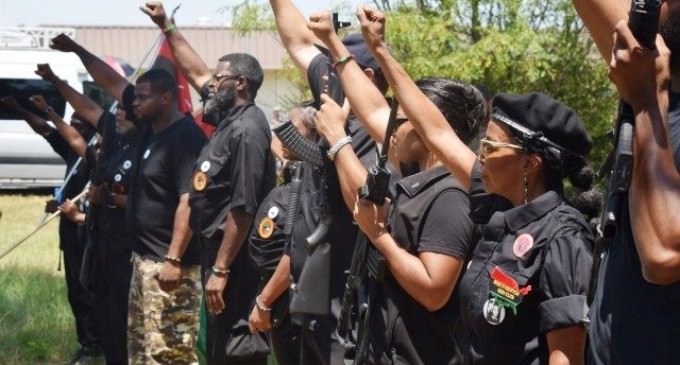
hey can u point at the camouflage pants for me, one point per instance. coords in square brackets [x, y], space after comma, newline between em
[162, 326]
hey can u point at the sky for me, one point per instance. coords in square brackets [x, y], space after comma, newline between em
[122, 12]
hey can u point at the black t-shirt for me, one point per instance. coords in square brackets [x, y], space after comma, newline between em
[162, 174]
[69, 230]
[429, 214]
[235, 170]
[342, 233]
[632, 320]
[113, 172]
[528, 275]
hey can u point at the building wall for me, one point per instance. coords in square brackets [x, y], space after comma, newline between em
[131, 43]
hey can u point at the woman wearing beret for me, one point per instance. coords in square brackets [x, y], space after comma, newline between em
[523, 295]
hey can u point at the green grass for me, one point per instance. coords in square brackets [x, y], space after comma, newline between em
[36, 325]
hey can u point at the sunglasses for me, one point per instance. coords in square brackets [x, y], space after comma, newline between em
[487, 146]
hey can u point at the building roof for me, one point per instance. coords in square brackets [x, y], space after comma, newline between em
[131, 43]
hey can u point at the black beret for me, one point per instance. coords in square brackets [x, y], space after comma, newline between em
[540, 113]
[362, 55]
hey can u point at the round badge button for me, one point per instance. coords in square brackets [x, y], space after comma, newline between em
[273, 212]
[494, 312]
[266, 228]
[200, 181]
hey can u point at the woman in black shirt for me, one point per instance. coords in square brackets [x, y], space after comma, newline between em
[523, 295]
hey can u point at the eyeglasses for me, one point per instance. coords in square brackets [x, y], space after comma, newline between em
[218, 76]
[487, 146]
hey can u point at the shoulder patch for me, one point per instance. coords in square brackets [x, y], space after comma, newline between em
[265, 228]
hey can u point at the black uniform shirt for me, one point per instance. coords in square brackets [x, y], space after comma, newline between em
[68, 230]
[81, 174]
[267, 239]
[632, 320]
[163, 173]
[429, 214]
[239, 169]
[528, 276]
[114, 170]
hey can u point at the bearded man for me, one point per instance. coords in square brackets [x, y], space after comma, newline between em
[233, 173]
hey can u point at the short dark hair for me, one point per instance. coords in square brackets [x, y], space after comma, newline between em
[462, 104]
[161, 81]
[247, 66]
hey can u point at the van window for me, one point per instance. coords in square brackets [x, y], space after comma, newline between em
[22, 89]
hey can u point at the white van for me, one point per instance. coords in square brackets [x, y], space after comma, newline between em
[26, 159]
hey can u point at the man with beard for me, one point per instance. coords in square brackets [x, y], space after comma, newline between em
[232, 175]
[635, 313]
[165, 288]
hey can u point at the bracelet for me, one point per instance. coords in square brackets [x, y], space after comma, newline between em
[261, 306]
[173, 259]
[169, 29]
[219, 272]
[343, 60]
[337, 146]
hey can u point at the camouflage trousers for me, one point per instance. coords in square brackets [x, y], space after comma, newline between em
[162, 326]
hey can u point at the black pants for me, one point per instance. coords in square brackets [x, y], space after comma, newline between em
[319, 343]
[72, 243]
[110, 278]
[228, 338]
[285, 340]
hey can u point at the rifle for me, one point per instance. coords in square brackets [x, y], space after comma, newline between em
[311, 295]
[643, 21]
[366, 260]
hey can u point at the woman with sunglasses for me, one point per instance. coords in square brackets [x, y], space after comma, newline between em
[523, 295]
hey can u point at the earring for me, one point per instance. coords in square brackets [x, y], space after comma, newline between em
[526, 188]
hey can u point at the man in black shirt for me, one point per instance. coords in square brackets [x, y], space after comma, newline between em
[110, 269]
[320, 345]
[231, 176]
[72, 237]
[635, 314]
[165, 287]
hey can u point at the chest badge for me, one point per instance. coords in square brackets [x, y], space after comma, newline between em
[205, 166]
[147, 153]
[494, 312]
[127, 164]
[273, 212]
[266, 228]
[522, 245]
[504, 292]
[118, 178]
[200, 180]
